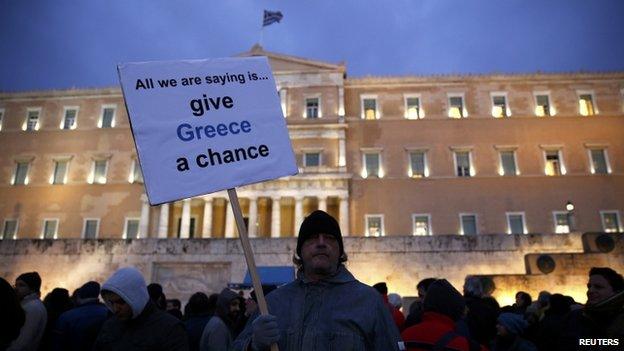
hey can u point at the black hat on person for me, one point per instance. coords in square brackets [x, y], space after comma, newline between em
[32, 279]
[443, 298]
[381, 287]
[89, 290]
[319, 222]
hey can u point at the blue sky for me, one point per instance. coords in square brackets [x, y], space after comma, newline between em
[62, 44]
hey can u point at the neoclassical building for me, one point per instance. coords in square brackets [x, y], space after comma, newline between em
[412, 155]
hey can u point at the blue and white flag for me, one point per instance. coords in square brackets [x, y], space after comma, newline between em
[271, 17]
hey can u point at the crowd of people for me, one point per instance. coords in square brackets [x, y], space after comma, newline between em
[324, 308]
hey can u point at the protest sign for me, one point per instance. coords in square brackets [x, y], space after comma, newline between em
[201, 126]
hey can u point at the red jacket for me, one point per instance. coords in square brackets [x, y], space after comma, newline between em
[432, 328]
[397, 316]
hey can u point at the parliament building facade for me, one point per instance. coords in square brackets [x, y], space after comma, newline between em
[411, 155]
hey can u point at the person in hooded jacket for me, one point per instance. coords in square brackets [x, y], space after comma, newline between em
[217, 335]
[136, 324]
[442, 308]
[325, 308]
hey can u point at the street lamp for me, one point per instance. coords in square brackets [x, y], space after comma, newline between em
[570, 213]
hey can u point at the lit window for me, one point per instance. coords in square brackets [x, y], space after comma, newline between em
[554, 166]
[515, 223]
[562, 222]
[413, 109]
[374, 225]
[586, 104]
[311, 159]
[136, 176]
[50, 229]
[9, 231]
[468, 224]
[1, 117]
[499, 106]
[462, 163]
[69, 121]
[312, 107]
[108, 117]
[20, 177]
[98, 172]
[421, 224]
[611, 221]
[91, 228]
[542, 105]
[32, 120]
[372, 165]
[456, 107]
[131, 230]
[60, 172]
[508, 163]
[599, 161]
[369, 108]
[417, 164]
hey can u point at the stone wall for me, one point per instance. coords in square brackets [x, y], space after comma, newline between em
[186, 266]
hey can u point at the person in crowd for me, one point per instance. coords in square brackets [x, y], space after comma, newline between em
[482, 312]
[549, 328]
[325, 308]
[443, 306]
[136, 324]
[602, 316]
[157, 296]
[56, 302]
[12, 317]
[509, 330]
[397, 316]
[196, 316]
[217, 335]
[416, 310]
[395, 300]
[77, 329]
[523, 301]
[174, 308]
[27, 287]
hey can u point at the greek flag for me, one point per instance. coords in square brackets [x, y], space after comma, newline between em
[271, 17]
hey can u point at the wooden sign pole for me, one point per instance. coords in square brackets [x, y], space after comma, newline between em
[249, 256]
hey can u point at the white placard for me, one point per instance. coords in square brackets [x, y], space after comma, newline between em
[202, 126]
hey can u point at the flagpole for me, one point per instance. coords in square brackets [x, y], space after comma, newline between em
[261, 30]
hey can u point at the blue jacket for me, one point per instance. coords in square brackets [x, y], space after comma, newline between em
[338, 313]
[78, 328]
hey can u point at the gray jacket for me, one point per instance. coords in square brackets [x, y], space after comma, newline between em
[34, 325]
[338, 313]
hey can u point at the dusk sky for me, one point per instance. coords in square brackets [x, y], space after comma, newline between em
[63, 44]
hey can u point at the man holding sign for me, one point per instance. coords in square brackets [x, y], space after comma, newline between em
[326, 308]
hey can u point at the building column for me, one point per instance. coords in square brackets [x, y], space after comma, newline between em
[275, 217]
[298, 213]
[342, 153]
[253, 217]
[144, 221]
[341, 109]
[229, 221]
[344, 215]
[185, 223]
[207, 224]
[163, 221]
[322, 203]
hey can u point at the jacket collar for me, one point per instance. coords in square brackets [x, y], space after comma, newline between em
[341, 276]
[429, 316]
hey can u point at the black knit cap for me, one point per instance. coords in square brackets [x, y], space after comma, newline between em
[319, 222]
[32, 279]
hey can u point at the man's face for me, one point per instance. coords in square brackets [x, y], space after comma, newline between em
[234, 308]
[120, 308]
[598, 289]
[22, 289]
[320, 254]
